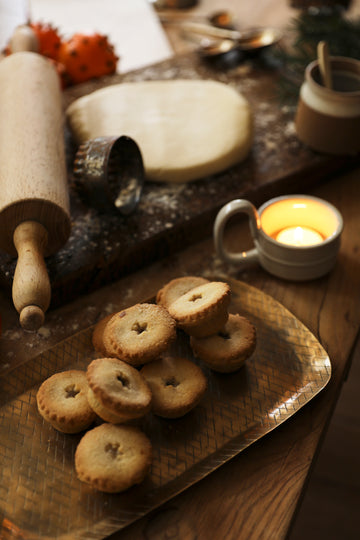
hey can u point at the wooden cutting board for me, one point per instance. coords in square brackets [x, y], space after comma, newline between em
[104, 247]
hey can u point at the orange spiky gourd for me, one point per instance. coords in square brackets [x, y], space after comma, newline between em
[87, 56]
[48, 38]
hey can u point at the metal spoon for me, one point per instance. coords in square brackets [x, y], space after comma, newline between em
[202, 29]
[222, 37]
[250, 41]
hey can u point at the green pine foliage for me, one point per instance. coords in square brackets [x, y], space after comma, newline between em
[342, 35]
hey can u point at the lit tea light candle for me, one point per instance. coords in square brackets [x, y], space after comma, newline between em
[299, 236]
[296, 237]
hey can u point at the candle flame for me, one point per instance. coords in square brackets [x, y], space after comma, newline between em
[298, 235]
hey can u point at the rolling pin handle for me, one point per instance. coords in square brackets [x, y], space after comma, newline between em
[31, 289]
[24, 39]
[31, 318]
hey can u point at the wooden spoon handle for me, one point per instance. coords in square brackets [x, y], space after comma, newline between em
[31, 289]
[324, 63]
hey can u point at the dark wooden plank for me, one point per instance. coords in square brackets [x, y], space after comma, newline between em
[331, 503]
[104, 247]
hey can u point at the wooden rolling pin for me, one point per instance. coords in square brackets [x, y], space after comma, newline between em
[34, 199]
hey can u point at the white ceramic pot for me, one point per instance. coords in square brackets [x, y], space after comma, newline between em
[328, 120]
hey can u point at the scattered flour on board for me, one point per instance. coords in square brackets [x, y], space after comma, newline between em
[44, 332]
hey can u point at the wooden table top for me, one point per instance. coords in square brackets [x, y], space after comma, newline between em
[257, 493]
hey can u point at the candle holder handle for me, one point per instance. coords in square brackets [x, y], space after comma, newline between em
[234, 207]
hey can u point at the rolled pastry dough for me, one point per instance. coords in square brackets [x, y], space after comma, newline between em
[185, 129]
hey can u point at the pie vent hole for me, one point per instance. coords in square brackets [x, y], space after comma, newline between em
[195, 297]
[113, 449]
[224, 335]
[71, 391]
[123, 380]
[139, 328]
[171, 381]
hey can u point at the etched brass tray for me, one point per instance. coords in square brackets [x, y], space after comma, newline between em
[40, 496]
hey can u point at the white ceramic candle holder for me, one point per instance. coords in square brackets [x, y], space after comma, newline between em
[311, 227]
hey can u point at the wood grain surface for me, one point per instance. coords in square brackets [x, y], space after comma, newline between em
[257, 494]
